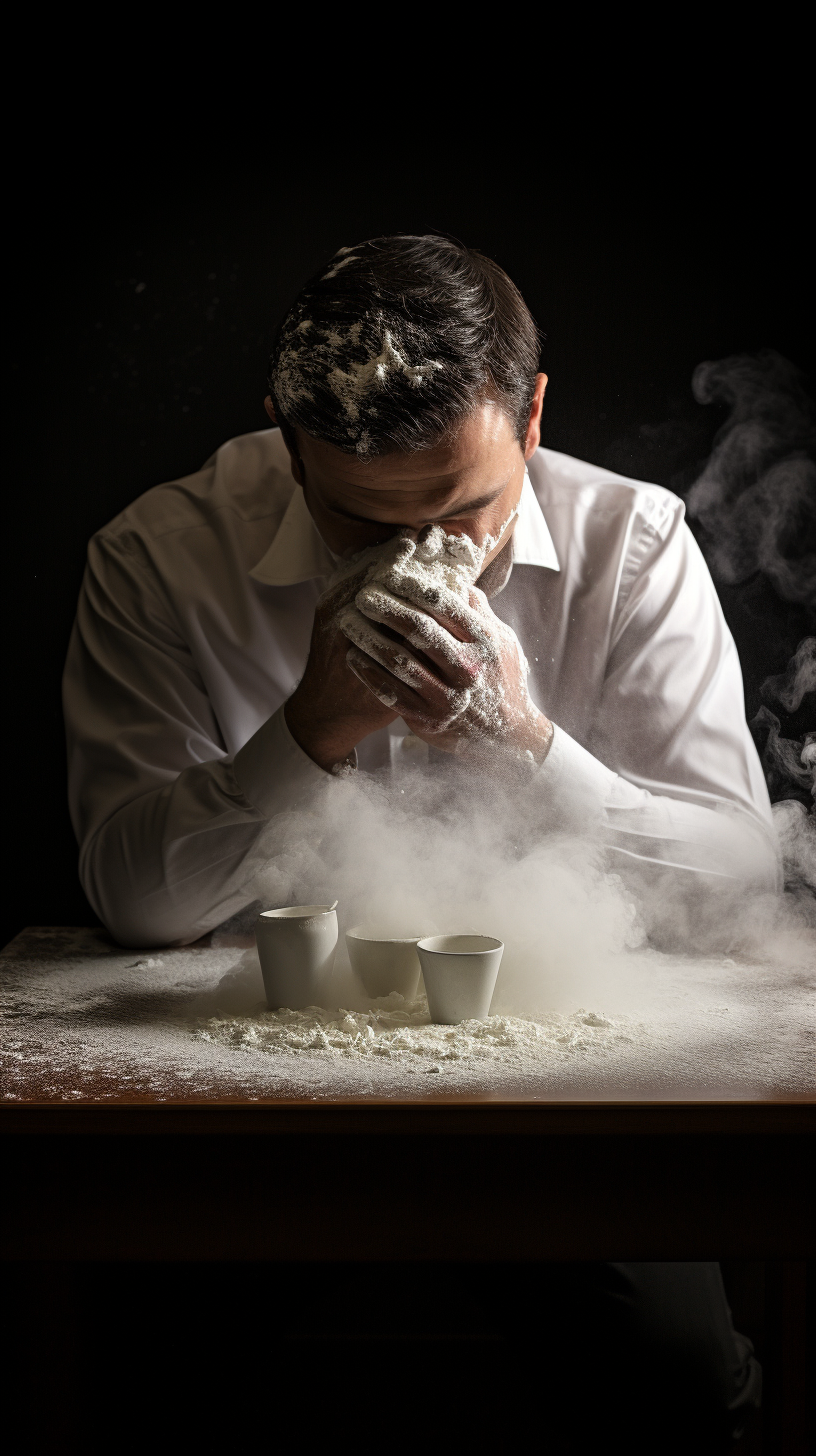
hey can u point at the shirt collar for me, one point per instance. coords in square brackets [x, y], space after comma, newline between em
[532, 542]
[298, 553]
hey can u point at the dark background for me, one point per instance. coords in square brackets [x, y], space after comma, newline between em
[146, 279]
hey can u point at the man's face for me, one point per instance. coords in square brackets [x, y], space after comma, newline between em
[470, 484]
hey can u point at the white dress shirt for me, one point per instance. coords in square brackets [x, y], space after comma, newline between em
[193, 629]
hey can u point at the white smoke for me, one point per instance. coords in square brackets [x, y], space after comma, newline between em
[419, 856]
[790, 769]
[756, 503]
[788, 688]
[796, 830]
[756, 497]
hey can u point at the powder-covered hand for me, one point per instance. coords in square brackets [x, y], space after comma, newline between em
[454, 671]
[331, 709]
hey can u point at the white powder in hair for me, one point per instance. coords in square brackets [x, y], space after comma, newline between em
[354, 384]
[290, 381]
[351, 381]
[345, 255]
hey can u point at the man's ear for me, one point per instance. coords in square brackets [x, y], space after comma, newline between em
[294, 459]
[533, 439]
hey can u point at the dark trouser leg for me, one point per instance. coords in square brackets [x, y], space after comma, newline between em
[646, 1352]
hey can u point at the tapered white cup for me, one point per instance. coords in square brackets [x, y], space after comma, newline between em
[460, 974]
[385, 965]
[296, 947]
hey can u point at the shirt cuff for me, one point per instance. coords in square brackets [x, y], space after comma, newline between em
[575, 788]
[568, 766]
[272, 770]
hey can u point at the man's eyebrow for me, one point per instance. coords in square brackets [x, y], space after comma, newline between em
[464, 510]
[474, 505]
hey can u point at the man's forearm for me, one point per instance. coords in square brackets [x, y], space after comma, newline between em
[177, 861]
[701, 844]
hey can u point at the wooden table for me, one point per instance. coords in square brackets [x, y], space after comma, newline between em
[113, 1175]
[460, 1179]
[139, 1167]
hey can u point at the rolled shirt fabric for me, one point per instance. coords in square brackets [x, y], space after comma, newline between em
[193, 629]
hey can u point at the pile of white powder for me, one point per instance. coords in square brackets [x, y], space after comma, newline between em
[395, 1028]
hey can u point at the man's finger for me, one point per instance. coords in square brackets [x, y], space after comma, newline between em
[391, 692]
[334, 598]
[459, 662]
[348, 576]
[466, 619]
[398, 659]
[434, 598]
[398, 696]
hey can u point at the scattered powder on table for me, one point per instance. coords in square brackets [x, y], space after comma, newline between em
[83, 1018]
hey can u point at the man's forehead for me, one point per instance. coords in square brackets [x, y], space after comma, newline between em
[483, 442]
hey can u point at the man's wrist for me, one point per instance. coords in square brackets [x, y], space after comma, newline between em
[321, 742]
[533, 738]
[544, 738]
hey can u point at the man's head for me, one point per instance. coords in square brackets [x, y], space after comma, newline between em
[404, 379]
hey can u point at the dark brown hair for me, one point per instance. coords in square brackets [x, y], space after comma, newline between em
[395, 341]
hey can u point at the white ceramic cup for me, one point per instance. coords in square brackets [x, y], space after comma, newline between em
[460, 975]
[385, 964]
[296, 947]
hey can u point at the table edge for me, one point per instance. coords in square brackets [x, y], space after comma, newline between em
[429, 1117]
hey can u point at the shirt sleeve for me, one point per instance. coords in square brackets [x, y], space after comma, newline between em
[171, 833]
[670, 771]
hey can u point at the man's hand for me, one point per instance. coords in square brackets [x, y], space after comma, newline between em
[331, 709]
[453, 670]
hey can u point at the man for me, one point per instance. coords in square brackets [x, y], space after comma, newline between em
[209, 686]
[213, 682]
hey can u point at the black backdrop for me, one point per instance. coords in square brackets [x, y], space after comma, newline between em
[146, 283]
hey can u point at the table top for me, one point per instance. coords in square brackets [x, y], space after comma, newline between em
[99, 1038]
[165, 1125]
